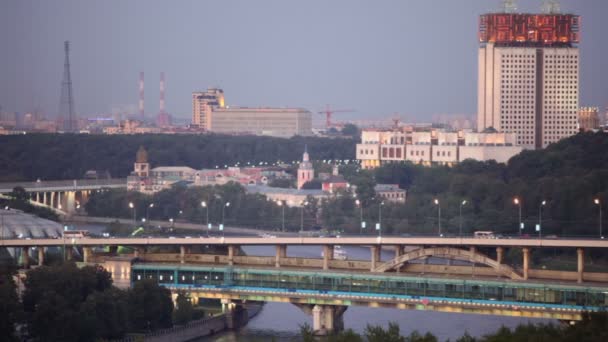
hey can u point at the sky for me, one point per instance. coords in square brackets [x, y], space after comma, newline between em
[416, 59]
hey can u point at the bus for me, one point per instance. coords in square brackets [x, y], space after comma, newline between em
[75, 234]
[484, 235]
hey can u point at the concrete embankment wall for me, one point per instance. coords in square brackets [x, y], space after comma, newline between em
[193, 330]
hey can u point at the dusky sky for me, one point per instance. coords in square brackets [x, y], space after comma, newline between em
[417, 58]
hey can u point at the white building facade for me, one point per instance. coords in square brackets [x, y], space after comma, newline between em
[378, 147]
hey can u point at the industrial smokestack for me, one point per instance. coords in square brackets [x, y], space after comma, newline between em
[162, 92]
[141, 95]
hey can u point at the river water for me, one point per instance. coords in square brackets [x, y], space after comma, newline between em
[282, 321]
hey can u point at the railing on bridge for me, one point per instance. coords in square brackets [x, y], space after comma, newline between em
[555, 297]
[67, 184]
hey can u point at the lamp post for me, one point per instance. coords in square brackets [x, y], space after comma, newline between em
[2, 216]
[517, 202]
[305, 203]
[540, 217]
[379, 225]
[436, 201]
[460, 218]
[361, 223]
[204, 205]
[599, 204]
[223, 215]
[171, 220]
[150, 206]
[282, 205]
[132, 206]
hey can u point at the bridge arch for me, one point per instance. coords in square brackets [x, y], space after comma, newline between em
[449, 253]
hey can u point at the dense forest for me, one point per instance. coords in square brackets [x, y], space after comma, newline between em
[68, 156]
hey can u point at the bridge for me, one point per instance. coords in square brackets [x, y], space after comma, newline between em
[482, 283]
[326, 295]
[63, 196]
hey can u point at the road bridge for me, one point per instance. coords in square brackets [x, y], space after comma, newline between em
[63, 196]
[326, 295]
[488, 253]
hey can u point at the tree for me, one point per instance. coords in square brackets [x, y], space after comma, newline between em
[60, 305]
[9, 305]
[379, 334]
[314, 184]
[150, 306]
[183, 311]
[352, 131]
[19, 195]
[281, 183]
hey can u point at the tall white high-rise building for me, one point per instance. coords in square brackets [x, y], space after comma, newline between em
[529, 76]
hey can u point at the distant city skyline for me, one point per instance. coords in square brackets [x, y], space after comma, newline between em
[414, 58]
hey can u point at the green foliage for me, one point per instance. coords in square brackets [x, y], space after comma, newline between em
[379, 334]
[183, 311]
[62, 304]
[282, 183]
[69, 156]
[312, 185]
[150, 306]
[9, 305]
[250, 210]
[352, 131]
[307, 333]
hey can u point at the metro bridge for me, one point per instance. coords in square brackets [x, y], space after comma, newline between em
[326, 295]
[325, 285]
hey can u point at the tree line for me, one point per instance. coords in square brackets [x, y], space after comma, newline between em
[70, 156]
[592, 329]
[63, 302]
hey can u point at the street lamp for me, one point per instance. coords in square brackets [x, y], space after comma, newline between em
[362, 224]
[282, 205]
[223, 212]
[171, 220]
[436, 201]
[517, 202]
[150, 206]
[304, 204]
[204, 205]
[460, 218]
[599, 204]
[6, 208]
[132, 206]
[540, 217]
[379, 225]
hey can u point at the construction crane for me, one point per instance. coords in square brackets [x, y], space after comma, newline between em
[328, 112]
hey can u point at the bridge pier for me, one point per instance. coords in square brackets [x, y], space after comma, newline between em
[183, 250]
[375, 256]
[281, 252]
[52, 201]
[86, 254]
[231, 253]
[69, 252]
[500, 252]
[44, 198]
[113, 249]
[327, 318]
[236, 314]
[580, 264]
[25, 257]
[328, 254]
[526, 262]
[40, 255]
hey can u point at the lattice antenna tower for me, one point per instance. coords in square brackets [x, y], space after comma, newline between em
[509, 6]
[551, 7]
[66, 104]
